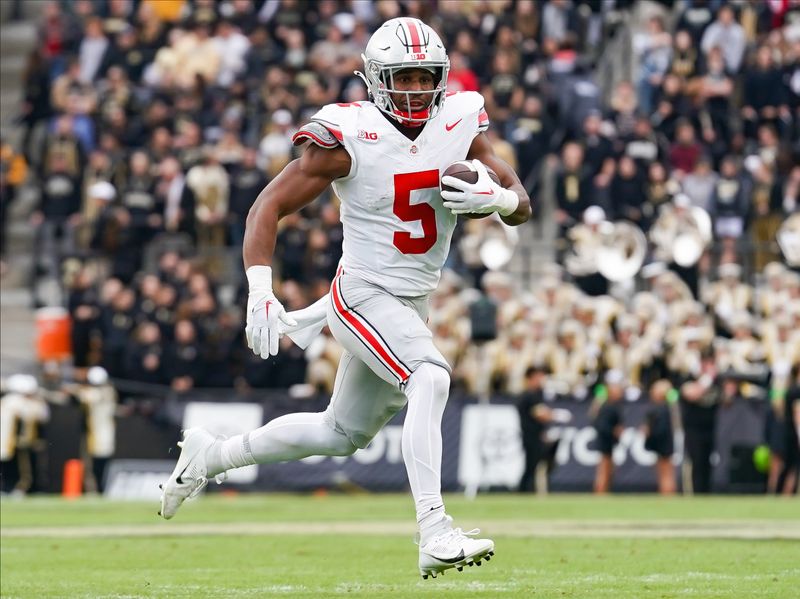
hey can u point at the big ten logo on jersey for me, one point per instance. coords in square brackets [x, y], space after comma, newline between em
[367, 135]
[419, 56]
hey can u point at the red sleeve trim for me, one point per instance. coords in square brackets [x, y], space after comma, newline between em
[337, 133]
[297, 139]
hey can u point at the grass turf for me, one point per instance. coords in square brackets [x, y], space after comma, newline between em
[376, 565]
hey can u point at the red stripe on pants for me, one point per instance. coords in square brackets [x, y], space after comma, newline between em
[366, 334]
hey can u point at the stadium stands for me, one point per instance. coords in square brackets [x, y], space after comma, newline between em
[149, 128]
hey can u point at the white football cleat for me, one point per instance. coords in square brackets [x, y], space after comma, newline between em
[453, 549]
[189, 476]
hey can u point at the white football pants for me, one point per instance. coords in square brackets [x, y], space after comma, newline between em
[390, 359]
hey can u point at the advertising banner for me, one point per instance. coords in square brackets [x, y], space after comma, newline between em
[482, 448]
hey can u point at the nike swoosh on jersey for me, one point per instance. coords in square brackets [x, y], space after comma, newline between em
[450, 127]
[451, 560]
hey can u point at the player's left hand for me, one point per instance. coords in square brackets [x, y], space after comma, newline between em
[482, 197]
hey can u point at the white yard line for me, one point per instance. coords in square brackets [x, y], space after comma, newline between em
[755, 529]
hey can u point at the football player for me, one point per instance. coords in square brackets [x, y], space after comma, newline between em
[384, 158]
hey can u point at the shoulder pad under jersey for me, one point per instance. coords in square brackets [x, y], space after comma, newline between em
[333, 118]
[316, 133]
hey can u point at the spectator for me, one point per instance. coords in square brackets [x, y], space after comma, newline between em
[98, 398]
[627, 191]
[275, 148]
[764, 94]
[64, 142]
[13, 172]
[673, 106]
[36, 103]
[144, 360]
[684, 64]
[700, 397]
[699, 185]
[608, 423]
[72, 95]
[55, 220]
[177, 198]
[657, 193]
[631, 355]
[223, 347]
[715, 89]
[559, 18]
[686, 151]
[127, 54]
[461, 77]
[624, 109]
[534, 416]
[765, 212]
[117, 321]
[210, 185]
[22, 411]
[139, 198]
[84, 308]
[654, 49]
[658, 436]
[598, 151]
[573, 193]
[93, 48]
[291, 245]
[184, 360]
[728, 205]
[57, 35]
[232, 48]
[643, 145]
[727, 35]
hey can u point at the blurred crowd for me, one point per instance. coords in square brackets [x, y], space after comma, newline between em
[150, 127]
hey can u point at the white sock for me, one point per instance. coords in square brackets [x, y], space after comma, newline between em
[427, 389]
[290, 437]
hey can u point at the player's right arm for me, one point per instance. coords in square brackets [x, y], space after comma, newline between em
[297, 185]
[302, 181]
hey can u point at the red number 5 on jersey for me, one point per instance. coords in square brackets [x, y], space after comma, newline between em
[407, 212]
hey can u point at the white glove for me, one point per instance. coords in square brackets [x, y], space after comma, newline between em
[482, 197]
[265, 314]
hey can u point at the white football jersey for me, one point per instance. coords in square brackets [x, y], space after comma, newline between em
[396, 231]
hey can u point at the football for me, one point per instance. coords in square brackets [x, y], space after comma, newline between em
[464, 170]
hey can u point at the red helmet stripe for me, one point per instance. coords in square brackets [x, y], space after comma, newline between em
[416, 43]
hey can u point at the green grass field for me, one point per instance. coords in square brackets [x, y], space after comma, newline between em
[361, 546]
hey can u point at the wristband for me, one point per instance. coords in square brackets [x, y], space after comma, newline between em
[259, 277]
[507, 202]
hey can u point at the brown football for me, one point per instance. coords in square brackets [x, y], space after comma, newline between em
[463, 170]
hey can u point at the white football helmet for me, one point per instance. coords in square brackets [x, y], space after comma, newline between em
[398, 44]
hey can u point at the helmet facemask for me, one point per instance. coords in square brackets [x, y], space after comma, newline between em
[399, 44]
[397, 103]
